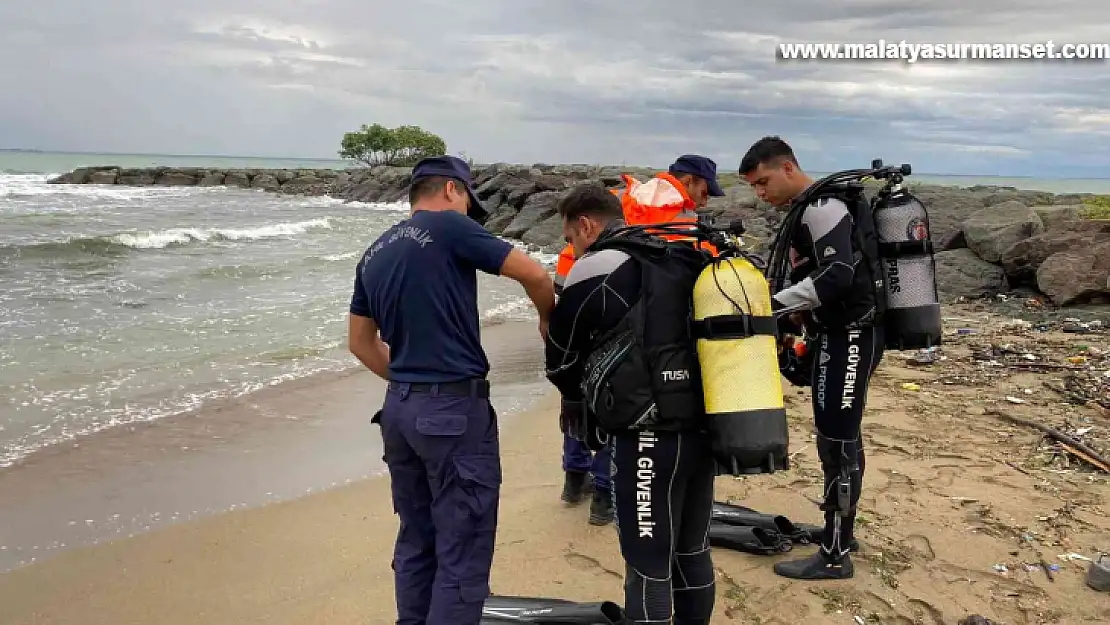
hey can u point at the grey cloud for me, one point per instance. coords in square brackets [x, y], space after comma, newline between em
[532, 80]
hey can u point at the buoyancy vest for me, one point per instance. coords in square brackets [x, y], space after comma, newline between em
[866, 305]
[644, 373]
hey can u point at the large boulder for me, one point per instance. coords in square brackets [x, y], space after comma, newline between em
[212, 179]
[237, 178]
[304, 185]
[77, 176]
[1029, 198]
[1077, 276]
[954, 241]
[265, 182]
[136, 177]
[1022, 260]
[1058, 216]
[366, 191]
[517, 192]
[548, 234]
[991, 231]
[104, 176]
[960, 273]
[176, 179]
[493, 185]
[537, 208]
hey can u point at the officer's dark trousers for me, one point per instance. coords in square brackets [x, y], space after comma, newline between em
[577, 457]
[576, 453]
[842, 370]
[445, 470]
[663, 493]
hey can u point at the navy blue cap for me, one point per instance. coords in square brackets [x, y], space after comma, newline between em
[455, 168]
[701, 167]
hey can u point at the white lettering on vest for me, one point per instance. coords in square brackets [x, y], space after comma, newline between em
[677, 375]
[645, 475]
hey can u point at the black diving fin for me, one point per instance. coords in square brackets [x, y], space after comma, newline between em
[732, 514]
[500, 609]
[798, 534]
[748, 539]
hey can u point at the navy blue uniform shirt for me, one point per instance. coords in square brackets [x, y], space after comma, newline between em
[419, 282]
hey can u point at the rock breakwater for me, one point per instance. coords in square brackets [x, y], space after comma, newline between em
[989, 239]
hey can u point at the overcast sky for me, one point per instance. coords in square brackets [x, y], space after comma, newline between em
[619, 81]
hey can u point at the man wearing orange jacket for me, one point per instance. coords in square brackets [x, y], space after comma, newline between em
[671, 196]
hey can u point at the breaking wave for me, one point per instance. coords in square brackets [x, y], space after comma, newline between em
[124, 242]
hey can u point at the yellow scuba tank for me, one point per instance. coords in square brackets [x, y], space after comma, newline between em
[738, 355]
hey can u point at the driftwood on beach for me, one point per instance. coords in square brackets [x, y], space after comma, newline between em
[1070, 444]
[989, 239]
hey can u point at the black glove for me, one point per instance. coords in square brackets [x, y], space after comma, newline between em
[798, 370]
[576, 422]
[572, 418]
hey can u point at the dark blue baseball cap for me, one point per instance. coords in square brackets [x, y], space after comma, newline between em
[701, 167]
[454, 168]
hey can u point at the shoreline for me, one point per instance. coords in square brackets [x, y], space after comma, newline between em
[278, 443]
[958, 509]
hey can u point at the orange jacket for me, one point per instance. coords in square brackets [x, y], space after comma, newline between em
[563, 265]
[663, 199]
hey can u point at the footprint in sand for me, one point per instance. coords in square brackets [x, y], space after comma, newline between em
[925, 608]
[922, 546]
[897, 483]
[946, 475]
[581, 562]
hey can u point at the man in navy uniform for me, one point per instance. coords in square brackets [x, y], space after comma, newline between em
[414, 321]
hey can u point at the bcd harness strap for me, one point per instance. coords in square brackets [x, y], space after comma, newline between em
[733, 327]
[906, 248]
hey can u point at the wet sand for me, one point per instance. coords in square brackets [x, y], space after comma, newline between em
[279, 443]
[959, 510]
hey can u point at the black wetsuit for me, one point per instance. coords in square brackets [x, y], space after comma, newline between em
[662, 480]
[834, 286]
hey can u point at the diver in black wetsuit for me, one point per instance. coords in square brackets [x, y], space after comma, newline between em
[833, 291]
[662, 463]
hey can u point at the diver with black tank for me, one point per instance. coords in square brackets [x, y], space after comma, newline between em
[836, 296]
[626, 303]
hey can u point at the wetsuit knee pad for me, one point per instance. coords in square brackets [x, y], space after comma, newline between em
[692, 570]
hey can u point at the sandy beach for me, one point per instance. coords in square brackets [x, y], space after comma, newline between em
[962, 513]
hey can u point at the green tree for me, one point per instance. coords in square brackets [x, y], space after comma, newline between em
[402, 146]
